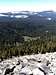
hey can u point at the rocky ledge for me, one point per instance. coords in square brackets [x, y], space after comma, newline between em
[38, 64]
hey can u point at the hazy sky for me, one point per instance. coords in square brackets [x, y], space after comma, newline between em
[31, 5]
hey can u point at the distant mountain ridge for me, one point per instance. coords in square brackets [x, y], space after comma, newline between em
[46, 15]
[26, 23]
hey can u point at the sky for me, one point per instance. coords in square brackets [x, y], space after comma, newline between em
[27, 5]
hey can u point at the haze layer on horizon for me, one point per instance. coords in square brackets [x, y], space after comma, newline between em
[27, 5]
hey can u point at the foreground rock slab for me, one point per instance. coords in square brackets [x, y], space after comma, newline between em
[38, 64]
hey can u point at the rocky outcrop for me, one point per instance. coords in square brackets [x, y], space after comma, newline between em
[38, 64]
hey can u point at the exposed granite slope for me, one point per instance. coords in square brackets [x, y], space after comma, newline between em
[40, 64]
